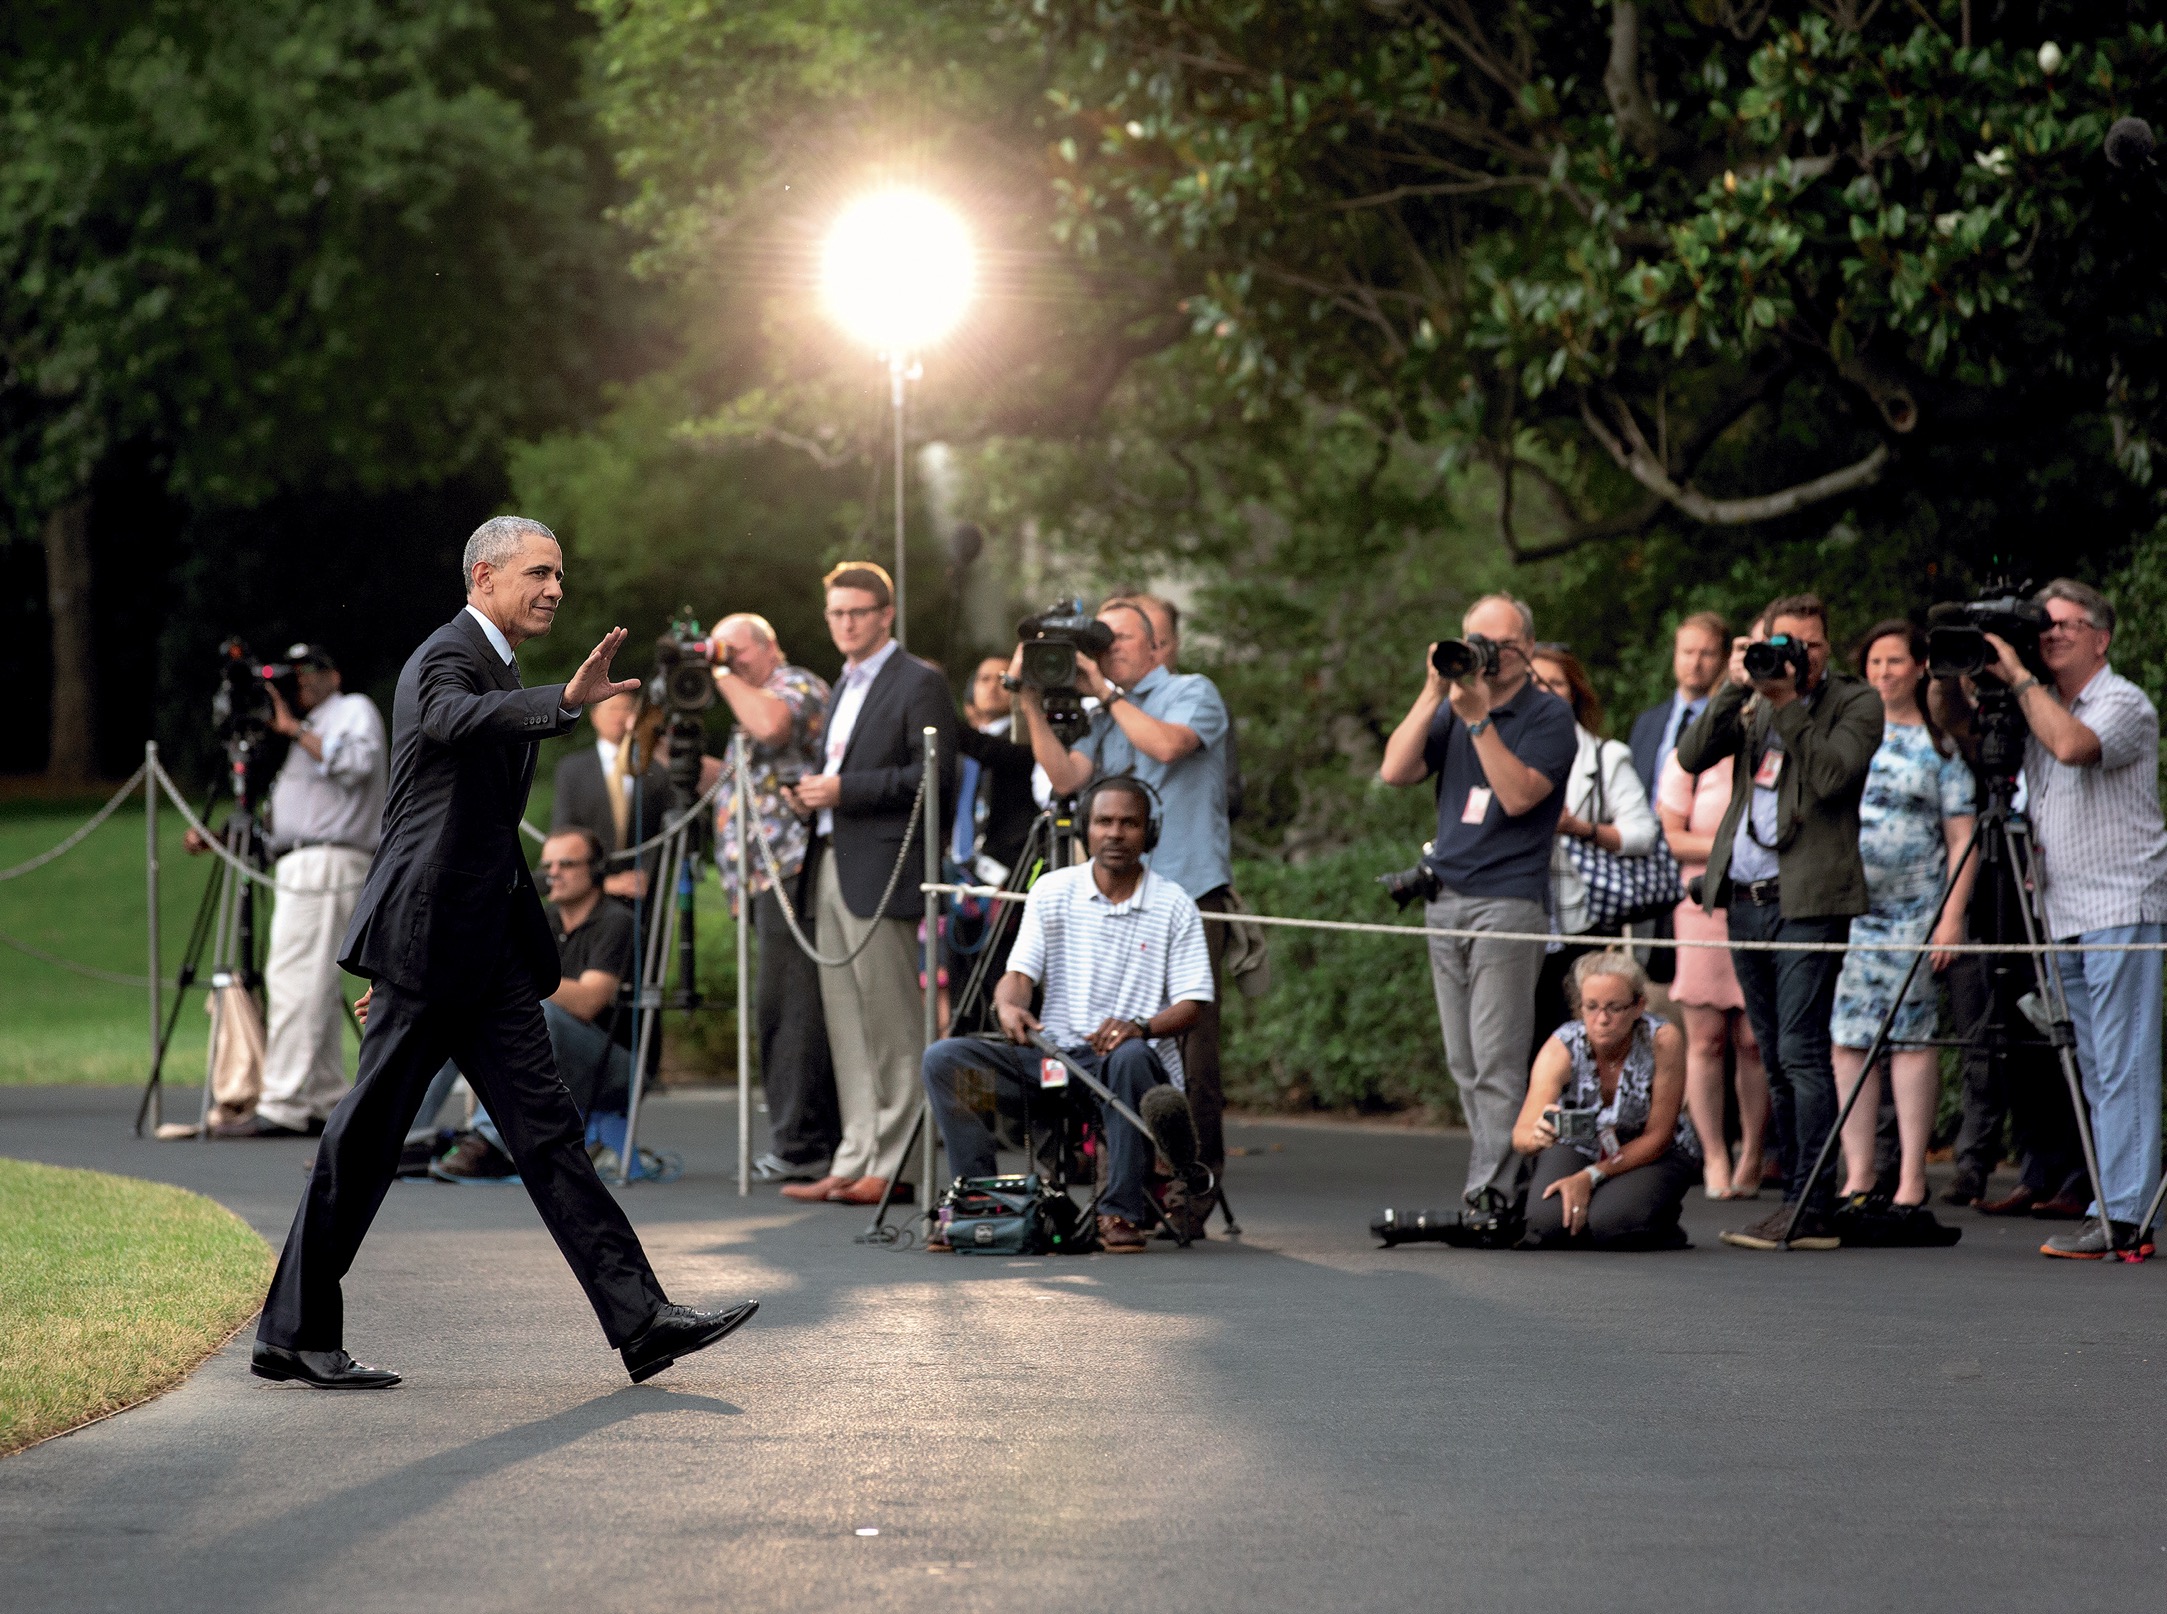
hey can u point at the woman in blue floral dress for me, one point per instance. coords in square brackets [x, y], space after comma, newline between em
[1914, 821]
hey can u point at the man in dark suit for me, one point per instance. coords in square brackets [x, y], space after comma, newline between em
[597, 790]
[451, 936]
[1697, 656]
[874, 751]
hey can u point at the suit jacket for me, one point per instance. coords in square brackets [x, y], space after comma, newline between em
[582, 802]
[1005, 783]
[449, 902]
[879, 779]
[1828, 745]
[1647, 740]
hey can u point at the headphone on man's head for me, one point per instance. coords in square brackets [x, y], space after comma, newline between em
[597, 857]
[1154, 814]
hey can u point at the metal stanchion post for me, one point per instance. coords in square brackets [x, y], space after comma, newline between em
[743, 816]
[933, 905]
[150, 890]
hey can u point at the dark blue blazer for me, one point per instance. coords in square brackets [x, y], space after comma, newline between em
[878, 780]
[449, 904]
[1647, 740]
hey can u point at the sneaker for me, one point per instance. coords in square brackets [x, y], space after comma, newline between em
[772, 1167]
[1120, 1236]
[1815, 1232]
[475, 1159]
[2088, 1243]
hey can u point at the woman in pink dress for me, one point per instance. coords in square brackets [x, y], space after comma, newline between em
[1706, 991]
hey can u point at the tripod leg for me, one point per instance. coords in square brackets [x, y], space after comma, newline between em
[654, 972]
[199, 935]
[1878, 1046]
[2064, 1034]
[877, 1233]
[1226, 1212]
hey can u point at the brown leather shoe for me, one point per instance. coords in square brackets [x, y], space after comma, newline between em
[867, 1191]
[1120, 1236]
[816, 1191]
[2017, 1202]
[2062, 1208]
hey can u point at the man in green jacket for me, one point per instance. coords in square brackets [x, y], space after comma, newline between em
[1786, 864]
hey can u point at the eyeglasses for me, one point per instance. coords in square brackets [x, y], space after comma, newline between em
[852, 613]
[2068, 625]
[1609, 1008]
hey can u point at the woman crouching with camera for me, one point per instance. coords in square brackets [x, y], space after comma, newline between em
[1614, 1158]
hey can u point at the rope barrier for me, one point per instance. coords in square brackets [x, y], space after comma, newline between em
[790, 915]
[998, 894]
[77, 838]
[90, 971]
[670, 827]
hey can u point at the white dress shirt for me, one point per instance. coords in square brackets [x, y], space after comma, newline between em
[503, 647]
[857, 679]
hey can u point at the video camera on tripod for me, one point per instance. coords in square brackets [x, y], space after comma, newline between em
[682, 687]
[241, 704]
[1956, 647]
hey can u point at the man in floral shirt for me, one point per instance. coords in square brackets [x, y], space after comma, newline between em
[782, 709]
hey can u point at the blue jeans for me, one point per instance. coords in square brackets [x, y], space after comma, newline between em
[2114, 1000]
[1789, 999]
[1131, 1070]
[578, 1046]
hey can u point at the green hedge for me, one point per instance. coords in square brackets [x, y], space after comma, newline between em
[1350, 1021]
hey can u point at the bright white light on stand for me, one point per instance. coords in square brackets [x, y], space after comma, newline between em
[897, 271]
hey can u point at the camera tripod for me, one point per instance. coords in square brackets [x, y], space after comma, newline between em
[2001, 839]
[225, 925]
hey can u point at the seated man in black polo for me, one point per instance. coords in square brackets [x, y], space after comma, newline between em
[594, 953]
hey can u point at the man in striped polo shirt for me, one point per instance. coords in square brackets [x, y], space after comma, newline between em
[1122, 956]
[2092, 766]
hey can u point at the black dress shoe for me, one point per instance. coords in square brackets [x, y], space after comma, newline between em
[324, 1370]
[676, 1331]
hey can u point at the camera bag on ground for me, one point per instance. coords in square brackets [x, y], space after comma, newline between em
[1623, 890]
[1012, 1216]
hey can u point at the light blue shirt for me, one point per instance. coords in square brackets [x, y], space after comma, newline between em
[1683, 710]
[1195, 847]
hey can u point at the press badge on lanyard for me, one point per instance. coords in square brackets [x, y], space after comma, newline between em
[1770, 770]
[1052, 1073]
[1478, 805]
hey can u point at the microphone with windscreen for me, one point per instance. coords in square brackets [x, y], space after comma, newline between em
[2129, 142]
[1173, 1126]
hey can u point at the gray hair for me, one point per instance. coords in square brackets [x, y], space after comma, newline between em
[496, 541]
[1613, 962]
[762, 628]
[2084, 597]
[1527, 612]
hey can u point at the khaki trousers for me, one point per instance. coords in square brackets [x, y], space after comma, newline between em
[875, 1014]
[304, 1063]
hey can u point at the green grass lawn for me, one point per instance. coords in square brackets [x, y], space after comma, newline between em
[89, 906]
[111, 1290]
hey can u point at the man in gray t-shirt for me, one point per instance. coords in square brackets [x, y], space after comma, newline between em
[1171, 730]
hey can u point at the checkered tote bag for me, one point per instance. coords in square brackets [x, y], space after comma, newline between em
[1624, 890]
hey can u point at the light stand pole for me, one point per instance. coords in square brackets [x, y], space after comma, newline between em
[901, 369]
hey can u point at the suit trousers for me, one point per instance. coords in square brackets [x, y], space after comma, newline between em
[1486, 1008]
[304, 1066]
[499, 1040]
[875, 1015]
[796, 1072]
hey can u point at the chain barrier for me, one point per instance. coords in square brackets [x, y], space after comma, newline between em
[1000, 894]
[80, 835]
[790, 913]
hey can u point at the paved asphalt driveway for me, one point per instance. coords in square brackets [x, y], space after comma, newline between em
[1293, 1421]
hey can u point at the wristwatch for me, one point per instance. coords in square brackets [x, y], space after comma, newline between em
[1114, 692]
[1474, 729]
[2019, 692]
[1597, 1176]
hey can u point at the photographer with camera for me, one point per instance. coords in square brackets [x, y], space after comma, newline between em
[783, 709]
[2092, 767]
[1171, 730]
[326, 816]
[1614, 1155]
[1121, 952]
[1786, 863]
[1500, 747]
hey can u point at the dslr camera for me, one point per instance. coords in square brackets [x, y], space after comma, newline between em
[1409, 886]
[1956, 632]
[1464, 658]
[1051, 642]
[1777, 654]
[241, 705]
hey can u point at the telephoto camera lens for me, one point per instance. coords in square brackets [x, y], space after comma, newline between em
[1461, 658]
[1776, 656]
